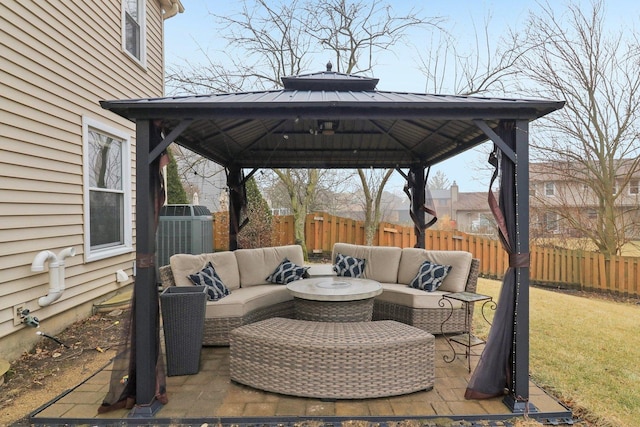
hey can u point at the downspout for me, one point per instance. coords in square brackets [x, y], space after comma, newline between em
[56, 273]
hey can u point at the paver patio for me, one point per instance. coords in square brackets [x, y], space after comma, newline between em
[210, 396]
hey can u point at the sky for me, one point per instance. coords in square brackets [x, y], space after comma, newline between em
[188, 34]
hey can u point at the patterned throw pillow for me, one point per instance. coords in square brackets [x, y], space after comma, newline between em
[287, 272]
[430, 276]
[209, 278]
[348, 266]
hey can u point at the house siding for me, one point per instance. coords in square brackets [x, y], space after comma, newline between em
[570, 196]
[58, 59]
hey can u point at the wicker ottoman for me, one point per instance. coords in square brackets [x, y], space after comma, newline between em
[327, 360]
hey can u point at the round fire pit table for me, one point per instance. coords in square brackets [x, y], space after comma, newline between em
[334, 299]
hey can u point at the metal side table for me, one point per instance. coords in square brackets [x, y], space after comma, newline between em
[466, 339]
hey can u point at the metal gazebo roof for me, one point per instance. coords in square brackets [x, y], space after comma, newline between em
[330, 120]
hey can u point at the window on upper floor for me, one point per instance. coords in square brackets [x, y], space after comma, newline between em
[107, 191]
[133, 27]
[634, 186]
[549, 189]
[551, 222]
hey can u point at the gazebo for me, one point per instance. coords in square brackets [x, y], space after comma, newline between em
[333, 120]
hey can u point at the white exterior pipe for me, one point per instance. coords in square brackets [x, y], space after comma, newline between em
[56, 273]
[41, 258]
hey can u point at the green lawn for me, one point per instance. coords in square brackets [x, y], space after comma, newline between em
[585, 351]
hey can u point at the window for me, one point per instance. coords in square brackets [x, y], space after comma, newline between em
[551, 222]
[634, 186]
[107, 191]
[134, 28]
[549, 189]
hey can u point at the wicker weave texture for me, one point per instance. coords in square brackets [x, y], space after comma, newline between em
[183, 322]
[334, 311]
[430, 319]
[328, 360]
[216, 330]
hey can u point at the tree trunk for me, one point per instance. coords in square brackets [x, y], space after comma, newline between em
[373, 200]
[301, 195]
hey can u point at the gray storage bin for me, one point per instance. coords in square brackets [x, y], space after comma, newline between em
[183, 310]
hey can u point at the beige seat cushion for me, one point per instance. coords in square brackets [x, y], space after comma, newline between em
[456, 280]
[182, 265]
[244, 300]
[381, 263]
[414, 298]
[255, 265]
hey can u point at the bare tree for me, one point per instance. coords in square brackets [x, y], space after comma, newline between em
[355, 31]
[590, 148]
[487, 67]
[265, 42]
[373, 183]
[439, 181]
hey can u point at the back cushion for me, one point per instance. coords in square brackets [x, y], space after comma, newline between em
[255, 265]
[381, 264]
[456, 280]
[224, 263]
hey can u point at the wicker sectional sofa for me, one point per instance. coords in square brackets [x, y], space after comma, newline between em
[252, 298]
[244, 272]
[395, 268]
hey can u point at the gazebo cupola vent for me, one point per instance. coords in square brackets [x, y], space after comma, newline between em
[330, 81]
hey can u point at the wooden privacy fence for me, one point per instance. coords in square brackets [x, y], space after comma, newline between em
[573, 269]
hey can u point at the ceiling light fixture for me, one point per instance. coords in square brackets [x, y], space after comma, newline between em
[328, 127]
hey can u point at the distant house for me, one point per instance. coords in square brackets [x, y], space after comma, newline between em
[67, 169]
[464, 211]
[558, 191]
[471, 213]
[204, 178]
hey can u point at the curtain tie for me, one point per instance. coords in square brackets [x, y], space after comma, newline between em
[145, 260]
[519, 260]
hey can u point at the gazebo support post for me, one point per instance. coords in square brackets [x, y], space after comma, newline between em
[146, 293]
[236, 201]
[417, 185]
[518, 398]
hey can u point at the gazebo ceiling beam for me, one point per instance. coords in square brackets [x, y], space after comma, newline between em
[496, 139]
[267, 132]
[432, 132]
[175, 133]
[391, 137]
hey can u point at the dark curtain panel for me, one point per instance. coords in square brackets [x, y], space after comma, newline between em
[122, 387]
[426, 205]
[493, 373]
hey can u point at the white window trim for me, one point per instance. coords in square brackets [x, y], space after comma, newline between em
[97, 254]
[142, 61]
[631, 186]
[553, 186]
